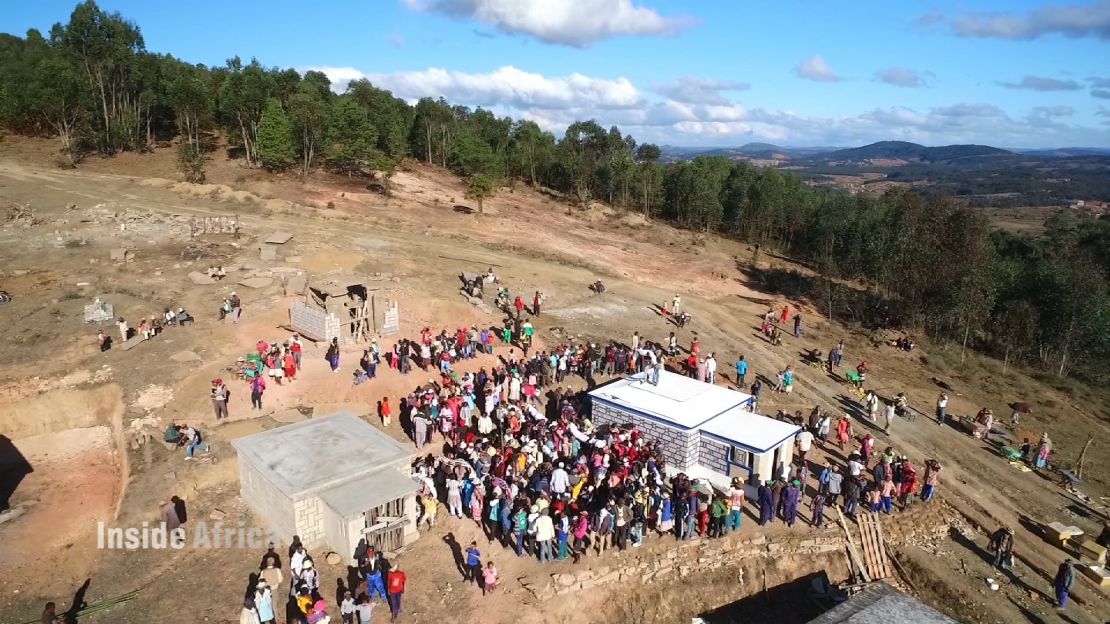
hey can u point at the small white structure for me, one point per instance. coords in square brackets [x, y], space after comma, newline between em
[331, 480]
[704, 430]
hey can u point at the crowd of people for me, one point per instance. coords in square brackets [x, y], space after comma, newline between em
[373, 577]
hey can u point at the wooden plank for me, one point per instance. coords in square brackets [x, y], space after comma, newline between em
[884, 560]
[866, 539]
[856, 559]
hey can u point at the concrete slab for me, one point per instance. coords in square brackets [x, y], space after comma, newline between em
[295, 284]
[311, 456]
[257, 282]
[279, 238]
[133, 342]
[267, 252]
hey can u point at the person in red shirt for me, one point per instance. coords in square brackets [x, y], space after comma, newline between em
[536, 301]
[395, 586]
[386, 412]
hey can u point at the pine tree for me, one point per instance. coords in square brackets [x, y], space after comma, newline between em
[276, 145]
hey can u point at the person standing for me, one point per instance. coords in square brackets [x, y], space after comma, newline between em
[123, 329]
[264, 602]
[333, 355]
[792, 495]
[805, 443]
[798, 331]
[536, 301]
[1002, 545]
[372, 572]
[545, 534]
[396, 585]
[942, 408]
[741, 371]
[676, 305]
[711, 369]
[219, 398]
[258, 386]
[817, 503]
[473, 567]
[888, 416]
[387, 412]
[489, 578]
[735, 506]
[1065, 578]
[930, 481]
[236, 307]
[766, 504]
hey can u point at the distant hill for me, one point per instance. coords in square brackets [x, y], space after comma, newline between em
[1066, 152]
[913, 152]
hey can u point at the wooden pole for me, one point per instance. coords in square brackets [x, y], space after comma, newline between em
[490, 264]
[1082, 456]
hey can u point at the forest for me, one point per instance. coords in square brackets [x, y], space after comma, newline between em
[929, 264]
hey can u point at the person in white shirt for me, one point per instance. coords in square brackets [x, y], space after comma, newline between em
[888, 416]
[942, 409]
[711, 369]
[805, 443]
[560, 481]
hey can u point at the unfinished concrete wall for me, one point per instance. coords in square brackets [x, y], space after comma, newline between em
[267, 501]
[313, 322]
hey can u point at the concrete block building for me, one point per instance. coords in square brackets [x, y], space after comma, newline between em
[704, 430]
[331, 480]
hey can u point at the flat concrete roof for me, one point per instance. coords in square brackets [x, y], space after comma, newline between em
[745, 428]
[367, 492]
[677, 399]
[320, 453]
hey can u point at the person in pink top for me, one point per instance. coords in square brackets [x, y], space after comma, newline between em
[489, 578]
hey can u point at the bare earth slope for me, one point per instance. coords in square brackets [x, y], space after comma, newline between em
[414, 243]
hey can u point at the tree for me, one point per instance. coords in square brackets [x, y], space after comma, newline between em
[308, 112]
[647, 158]
[243, 97]
[531, 151]
[276, 142]
[192, 103]
[190, 160]
[350, 137]
[56, 93]
[480, 188]
[106, 46]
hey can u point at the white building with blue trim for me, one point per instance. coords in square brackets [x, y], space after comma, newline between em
[704, 430]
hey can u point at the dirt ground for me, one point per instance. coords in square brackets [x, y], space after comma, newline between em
[69, 408]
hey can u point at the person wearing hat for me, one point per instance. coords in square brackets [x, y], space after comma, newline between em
[372, 572]
[264, 602]
[791, 496]
[1002, 545]
[219, 398]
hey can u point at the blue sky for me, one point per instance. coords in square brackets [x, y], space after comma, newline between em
[713, 72]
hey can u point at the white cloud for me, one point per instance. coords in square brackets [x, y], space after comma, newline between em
[1069, 20]
[554, 102]
[511, 87]
[815, 68]
[339, 76]
[901, 77]
[699, 90]
[576, 23]
[1038, 83]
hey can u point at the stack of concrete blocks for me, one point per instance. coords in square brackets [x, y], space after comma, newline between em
[679, 446]
[310, 520]
[313, 322]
